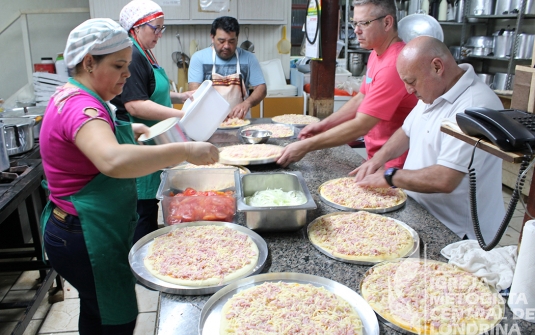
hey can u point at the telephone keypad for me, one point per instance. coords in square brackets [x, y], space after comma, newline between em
[525, 118]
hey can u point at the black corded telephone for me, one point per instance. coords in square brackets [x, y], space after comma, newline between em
[508, 129]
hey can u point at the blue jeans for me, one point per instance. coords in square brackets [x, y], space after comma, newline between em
[67, 252]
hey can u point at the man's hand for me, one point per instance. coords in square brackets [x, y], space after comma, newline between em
[367, 168]
[374, 180]
[240, 110]
[292, 153]
[139, 129]
[202, 153]
[310, 130]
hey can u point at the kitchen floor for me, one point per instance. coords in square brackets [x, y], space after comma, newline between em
[61, 318]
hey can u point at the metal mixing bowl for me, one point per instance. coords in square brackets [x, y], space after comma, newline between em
[255, 136]
[415, 25]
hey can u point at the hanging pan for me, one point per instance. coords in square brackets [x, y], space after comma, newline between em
[247, 45]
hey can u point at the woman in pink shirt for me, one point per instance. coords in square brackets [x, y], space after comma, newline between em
[91, 162]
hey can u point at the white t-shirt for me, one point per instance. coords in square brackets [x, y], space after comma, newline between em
[430, 146]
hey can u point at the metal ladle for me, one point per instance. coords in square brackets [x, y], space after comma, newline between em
[247, 45]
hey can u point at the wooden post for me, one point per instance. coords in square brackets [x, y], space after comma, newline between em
[323, 72]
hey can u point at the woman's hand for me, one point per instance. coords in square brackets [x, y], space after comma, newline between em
[202, 153]
[139, 129]
[180, 98]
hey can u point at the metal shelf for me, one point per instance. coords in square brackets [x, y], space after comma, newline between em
[506, 59]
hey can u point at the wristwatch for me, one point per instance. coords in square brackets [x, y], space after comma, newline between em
[389, 173]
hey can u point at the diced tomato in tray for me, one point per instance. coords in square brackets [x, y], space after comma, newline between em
[192, 205]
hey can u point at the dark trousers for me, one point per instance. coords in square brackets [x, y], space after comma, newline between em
[67, 253]
[147, 209]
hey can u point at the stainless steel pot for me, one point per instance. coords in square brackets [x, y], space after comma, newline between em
[487, 78]
[515, 7]
[500, 81]
[456, 52]
[525, 46]
[503, 40]
[481, 7]
[18, 135]
[480, 42]
[35, 113]
[481, 51]
[4, 158]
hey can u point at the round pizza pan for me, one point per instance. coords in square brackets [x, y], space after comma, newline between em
[260, 161]
[414, 235]
[295, 131]
[408, 331]
[234, 127]
[298, 125]
[139, 251]
[371, 210]
[211, 313]
[243, 169]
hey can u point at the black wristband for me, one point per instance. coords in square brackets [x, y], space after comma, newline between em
[389, 173]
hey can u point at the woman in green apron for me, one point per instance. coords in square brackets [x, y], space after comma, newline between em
[146, 97]
[90, 162]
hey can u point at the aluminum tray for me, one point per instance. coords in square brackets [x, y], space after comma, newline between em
[371, 210]
[294, 129]
[182, 166]
[139, 251]
[211, 313]
[414, 234]
[407, 331]
[250, 161]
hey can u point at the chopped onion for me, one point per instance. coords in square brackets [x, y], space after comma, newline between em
[276, 197]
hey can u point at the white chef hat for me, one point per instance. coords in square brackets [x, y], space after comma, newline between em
[138, 12]
[96, 37]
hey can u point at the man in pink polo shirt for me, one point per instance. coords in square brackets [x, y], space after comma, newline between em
[382, 104]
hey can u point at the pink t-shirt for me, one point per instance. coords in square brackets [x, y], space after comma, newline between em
[386, 99]
[67, 169]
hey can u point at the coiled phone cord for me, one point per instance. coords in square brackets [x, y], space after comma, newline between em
[512, 203]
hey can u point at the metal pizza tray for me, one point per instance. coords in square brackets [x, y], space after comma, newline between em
[139, 251]
[211, 313]
[234, 127]
[294, 129]
[407, 331]
[414, 234]
[250, 161]
[298, 125]
[180, 166]
[371, 210]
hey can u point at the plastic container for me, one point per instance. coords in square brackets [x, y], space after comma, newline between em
[205, 113]
[61, 67]
[46, 65]
[181, 208]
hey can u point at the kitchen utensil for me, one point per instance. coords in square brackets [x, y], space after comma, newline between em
[163, 132]
[456, 51]
[247, 45]
[459, 10]
[182, 61]
[487, 78]
[481, 51]
[500, 81]
[415, 25]
[515, 7]
[481, 7]
[356, 63]
[34, 112]
[4, 158]
[503, 40]
[275, 218]
[205, 113]
[284, 46]
[18, 135]
[525, 46]
[254, 136]
[503, 7]
[480, 42]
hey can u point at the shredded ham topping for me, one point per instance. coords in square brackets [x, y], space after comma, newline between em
[201, 252]
[234, 122]
[361, 234]
[429, 295]
[256, 151]
[295, 119]
[290, 308]
[277, 130]
[345, 192]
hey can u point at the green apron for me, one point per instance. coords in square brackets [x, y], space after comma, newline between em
[107, 211]
[147, 186]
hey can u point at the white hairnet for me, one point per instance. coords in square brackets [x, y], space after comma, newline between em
[138, 12]
[95, 37]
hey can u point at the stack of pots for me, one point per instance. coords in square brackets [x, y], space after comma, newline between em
[503, 44]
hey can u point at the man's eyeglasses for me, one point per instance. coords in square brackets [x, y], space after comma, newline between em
[157, 30]
[364, 24]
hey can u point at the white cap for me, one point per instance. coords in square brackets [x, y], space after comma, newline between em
[138, 12]
[96, 37]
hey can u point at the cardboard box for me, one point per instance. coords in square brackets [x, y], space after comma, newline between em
[524, 89]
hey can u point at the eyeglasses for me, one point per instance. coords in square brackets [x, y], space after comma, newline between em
[364, 24]
[157, 30]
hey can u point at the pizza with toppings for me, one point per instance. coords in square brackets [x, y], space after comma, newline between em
[429, 297]
[288, 308]
[360, 236]
[244, 154]
[277, 130]
[233, 123]
[201, 255]
[188, 166]
[295, 119]
[344, 192]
